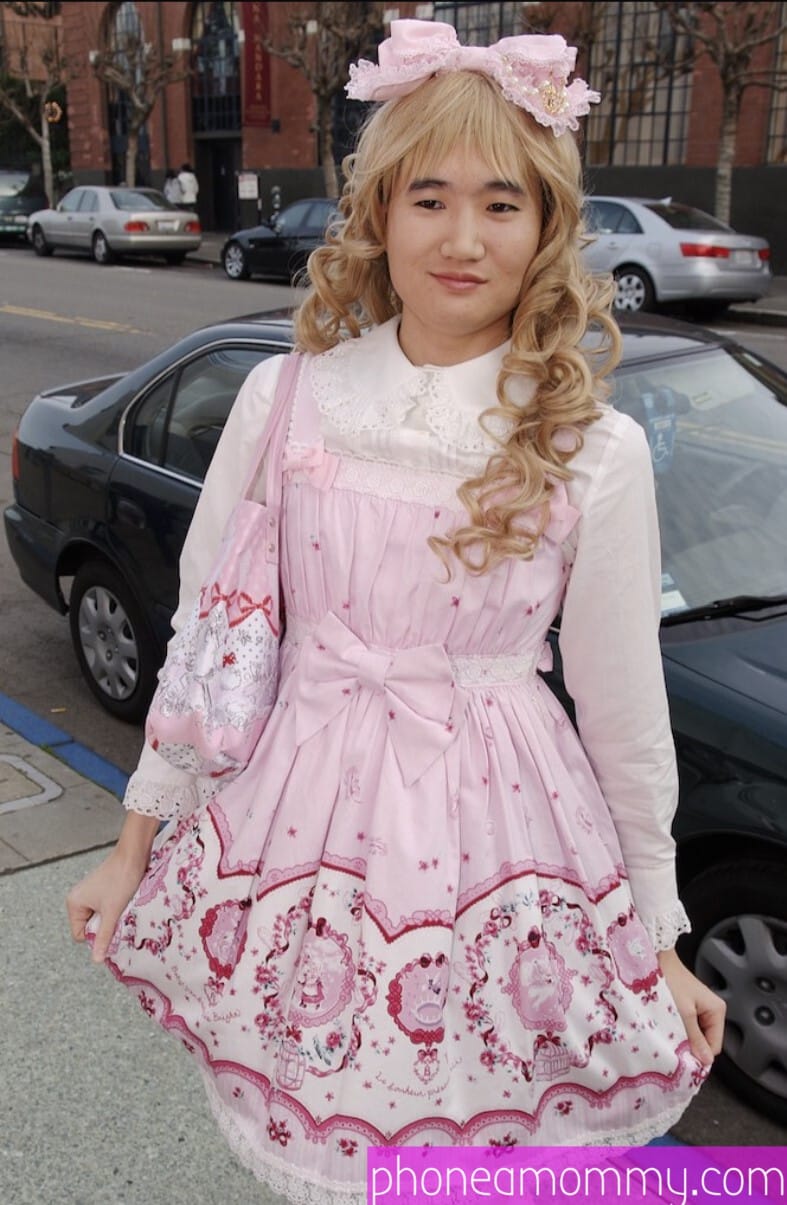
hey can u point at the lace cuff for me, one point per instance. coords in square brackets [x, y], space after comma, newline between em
[665, 928]
[160, 799]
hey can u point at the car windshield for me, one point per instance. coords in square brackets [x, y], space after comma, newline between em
[716, 424]
[139, 198]
[682, 217]
[12, 183]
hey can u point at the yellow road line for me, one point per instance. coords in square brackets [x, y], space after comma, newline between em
[48, 316]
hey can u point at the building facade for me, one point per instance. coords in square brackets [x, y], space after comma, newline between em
[239, 109]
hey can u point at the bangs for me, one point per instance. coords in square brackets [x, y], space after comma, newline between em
[460, 110]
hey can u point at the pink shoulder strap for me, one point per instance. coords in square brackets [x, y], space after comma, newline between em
[270, 449]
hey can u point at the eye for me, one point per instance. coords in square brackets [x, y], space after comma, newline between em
[503, 207]
[429, 203]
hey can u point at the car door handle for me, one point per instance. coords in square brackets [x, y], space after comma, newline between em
[129, 512]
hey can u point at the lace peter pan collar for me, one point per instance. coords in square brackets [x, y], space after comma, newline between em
[368, 384]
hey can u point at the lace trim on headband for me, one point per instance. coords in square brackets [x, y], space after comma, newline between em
[351, 412]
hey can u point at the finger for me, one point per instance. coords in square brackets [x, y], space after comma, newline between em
[103, 937]
[711, 1022]
[699, 1046]
[78, 916]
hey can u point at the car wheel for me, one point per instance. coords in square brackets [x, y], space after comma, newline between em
[102, 252]
[115, 646]
[738, 946]
[634, 290]
[40, 245]
[235, 263]
[175, 257]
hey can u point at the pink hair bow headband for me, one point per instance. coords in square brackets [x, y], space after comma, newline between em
[531, 70]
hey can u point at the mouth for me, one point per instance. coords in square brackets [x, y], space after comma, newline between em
[460, 281]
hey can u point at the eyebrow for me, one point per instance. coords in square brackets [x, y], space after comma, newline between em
[430, 182]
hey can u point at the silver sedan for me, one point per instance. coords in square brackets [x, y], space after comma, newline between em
[108, 222]
[662, 251]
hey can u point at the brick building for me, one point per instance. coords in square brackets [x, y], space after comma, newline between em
[241, 109]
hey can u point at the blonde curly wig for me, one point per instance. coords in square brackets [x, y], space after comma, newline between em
[560, 303]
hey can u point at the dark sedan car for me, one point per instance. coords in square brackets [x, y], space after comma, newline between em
[21, 193]
[107, 474]
[280, 247]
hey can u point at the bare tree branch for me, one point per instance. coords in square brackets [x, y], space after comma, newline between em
[342, 32]
[730, 35]
[135, 68]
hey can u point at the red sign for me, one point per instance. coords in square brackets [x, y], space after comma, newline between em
[256, 76]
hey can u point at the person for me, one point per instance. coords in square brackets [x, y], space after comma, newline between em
[189, 185]
[172, 190]
[427, 911]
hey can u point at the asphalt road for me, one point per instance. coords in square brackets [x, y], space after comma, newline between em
[63, 319]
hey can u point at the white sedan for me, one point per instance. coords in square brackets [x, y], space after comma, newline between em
[109, 222]
[662, 251]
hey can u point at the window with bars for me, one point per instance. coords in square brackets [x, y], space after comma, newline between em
[776, 148]
[215, 86]
[643, 116]
[481, 24]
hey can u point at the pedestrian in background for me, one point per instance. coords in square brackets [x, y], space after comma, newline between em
[172, 190]
[427, 911]
[189, 185]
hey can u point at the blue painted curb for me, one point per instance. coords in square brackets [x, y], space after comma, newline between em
[48, 736]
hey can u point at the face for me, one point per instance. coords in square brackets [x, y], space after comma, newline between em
[458, 243]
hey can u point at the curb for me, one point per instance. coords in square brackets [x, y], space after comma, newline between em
[757, 317]
[60, 744]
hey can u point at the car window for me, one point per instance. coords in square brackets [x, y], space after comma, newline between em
[70, 202]
[608, 217]
[128, 199]
[319, 216]
[716, 424]
[683, 217]
[12, 183]
[292, 217]
[88, 202]
[179, 422]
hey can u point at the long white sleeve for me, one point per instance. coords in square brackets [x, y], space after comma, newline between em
[157, 788]
[612, 662]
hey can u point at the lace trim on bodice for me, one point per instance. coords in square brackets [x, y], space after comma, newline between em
[398, 483]
[351, 412]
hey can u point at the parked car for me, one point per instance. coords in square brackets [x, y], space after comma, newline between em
[21, 193]
[107, 474]
[661, 251]
[110, 222]
[280, 247]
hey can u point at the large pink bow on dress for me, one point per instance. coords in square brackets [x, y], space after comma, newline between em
[423, 705]
[531, 70]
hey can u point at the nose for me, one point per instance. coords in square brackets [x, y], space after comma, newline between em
[463, 240]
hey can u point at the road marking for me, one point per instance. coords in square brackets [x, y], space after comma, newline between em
[48, 316]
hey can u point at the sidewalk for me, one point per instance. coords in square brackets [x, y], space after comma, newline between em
[768, 311]
[99, 1107]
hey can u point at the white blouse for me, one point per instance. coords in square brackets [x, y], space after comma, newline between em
[375, 406]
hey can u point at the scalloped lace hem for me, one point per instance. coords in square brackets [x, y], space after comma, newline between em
[158, 799]
[665, 929]
[291, 1184]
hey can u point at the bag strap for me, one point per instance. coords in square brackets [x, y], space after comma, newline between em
[274, 435]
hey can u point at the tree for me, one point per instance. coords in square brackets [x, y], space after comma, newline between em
[323, 40]
[139, 72]
[35, 73]
[732, 36]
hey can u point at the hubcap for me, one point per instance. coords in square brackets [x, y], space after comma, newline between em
[630, 293]
[101, 248]
[108, 643]
[233, 262]
[744, 959]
